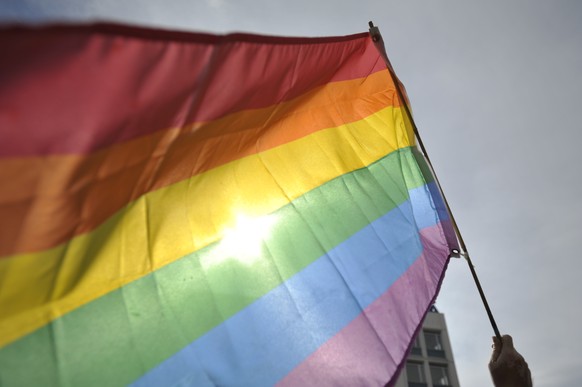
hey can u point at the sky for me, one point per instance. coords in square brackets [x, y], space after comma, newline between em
[496, 91]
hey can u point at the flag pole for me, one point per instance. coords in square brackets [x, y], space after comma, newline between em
[379, 43]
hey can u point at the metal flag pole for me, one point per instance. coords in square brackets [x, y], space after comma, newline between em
[379, 42]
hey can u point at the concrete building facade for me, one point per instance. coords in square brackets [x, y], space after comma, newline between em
[430, 362]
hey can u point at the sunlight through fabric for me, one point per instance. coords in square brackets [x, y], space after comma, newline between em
[242, 242]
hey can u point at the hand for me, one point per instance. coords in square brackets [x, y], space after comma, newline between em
[508, 368]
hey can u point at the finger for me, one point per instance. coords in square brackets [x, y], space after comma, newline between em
[507, 342]
[496, 350]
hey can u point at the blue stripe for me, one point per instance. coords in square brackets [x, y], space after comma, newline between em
[265, 341]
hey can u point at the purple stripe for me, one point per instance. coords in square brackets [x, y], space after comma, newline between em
[371, 348]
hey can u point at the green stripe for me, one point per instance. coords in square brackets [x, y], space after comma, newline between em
[118, 337]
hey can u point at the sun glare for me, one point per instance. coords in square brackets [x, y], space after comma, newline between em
[243, 242]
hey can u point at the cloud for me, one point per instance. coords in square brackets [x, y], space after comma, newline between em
[216, 3]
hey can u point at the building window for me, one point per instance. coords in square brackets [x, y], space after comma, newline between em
[415, 374]
[439, 375]
[416, 350]
[434, 346]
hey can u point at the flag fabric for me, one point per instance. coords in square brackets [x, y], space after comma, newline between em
[193, 209]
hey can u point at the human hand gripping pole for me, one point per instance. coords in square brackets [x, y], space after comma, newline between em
[507, 367]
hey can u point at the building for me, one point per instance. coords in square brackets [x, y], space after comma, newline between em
[430, 362]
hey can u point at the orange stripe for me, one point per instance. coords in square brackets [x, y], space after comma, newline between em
[55, 198]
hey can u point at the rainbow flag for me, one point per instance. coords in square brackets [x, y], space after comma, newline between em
[193, 209]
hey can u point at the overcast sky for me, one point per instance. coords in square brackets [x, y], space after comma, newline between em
[496, 89]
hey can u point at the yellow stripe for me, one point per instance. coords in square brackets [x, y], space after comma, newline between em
[167, 224]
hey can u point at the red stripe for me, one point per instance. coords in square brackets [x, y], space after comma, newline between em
[79, 89]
